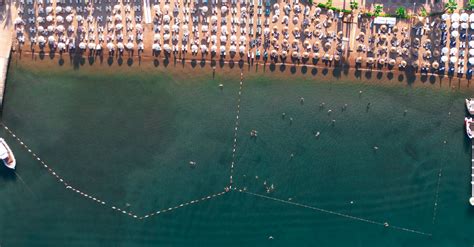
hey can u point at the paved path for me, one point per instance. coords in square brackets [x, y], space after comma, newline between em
[5, 47]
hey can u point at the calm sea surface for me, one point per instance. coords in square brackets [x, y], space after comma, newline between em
[126, 136]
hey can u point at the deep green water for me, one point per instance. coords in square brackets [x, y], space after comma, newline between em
[127, 138]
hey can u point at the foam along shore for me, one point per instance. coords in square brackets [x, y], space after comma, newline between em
[252, 29]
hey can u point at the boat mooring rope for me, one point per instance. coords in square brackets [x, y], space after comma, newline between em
[95, 199]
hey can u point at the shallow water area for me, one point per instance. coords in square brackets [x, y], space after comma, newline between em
[126, 134]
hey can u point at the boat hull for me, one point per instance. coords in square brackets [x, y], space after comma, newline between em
[9, 162]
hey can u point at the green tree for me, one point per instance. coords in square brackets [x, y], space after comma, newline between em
[424, 13]
[378, 10]
[310, 2]
[355, 4]
[328, 4]
[451, 6]
[401, 13]
[470, 4]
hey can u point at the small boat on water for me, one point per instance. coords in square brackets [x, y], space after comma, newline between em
[470, 105]
[6, 155]
[469, 127]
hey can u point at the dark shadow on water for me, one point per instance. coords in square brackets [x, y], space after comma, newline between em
[120, 61]
[336, 72]
[41, 54]
[130, 61]
[400, 78]
[221, 62]
[304, 69]
[293, 69]
[231, 64]
[432, 79]
[202, 63]
[110, 61]
[91, 60]
[61, 62]
[358, 73]
[390, 75]
[272, 67]
[166, 61]
[379, 75]
[368, 74]
[241, 63]
[282, 67]
[325, 71]
[213, 63]
[424, 78]
[193, 63]
[314, 71]
[7, 174]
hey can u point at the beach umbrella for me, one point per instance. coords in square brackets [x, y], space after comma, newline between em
[98, 47]
[403, 63]
[471, 17]
[273, 53]
[166, 18]
[49, 9]
[471, 52]
[295, 19]
[337, 57]
[49, 18]
[51, 39]
[118, 27]
[166, 37]
[453, 59]
[156, 37]
[283, 53]
[223, 38]
[110, 46]
[427, 54]
[61, 46]
[40, 29]
[232, 48]
[455, 34]
[91, 46]
[415, 64]
[381, 61]
[120, 46]
[455, 25]
[383, 28]
[213, 48]
[391, 62]
[223, 9]
[370, 60]
[166, 28]
[435, 65]
[358, 60]
[203, 48]
[40, 19]
[317, 11]
[243, 39]
[222, 48]
[82, 45]
[59, 19]
[60, 28]
[117, 7]
[327, 45]
[464, 17]
[453, 51]
[58, 9]
[50, 28]
[464, 25]
[18, 20]
[118, 17]
[41, 40]
[444, 59]
[266, 31]
[455, 17]
[316, 55]
[471, 60]
[69, 18]
[241, 49]
[393, 49]
[233, 38]
[139, 27]
[445, 50]
[204, 9]
[156, 47]
[445, 17]
[68, 9]
[130, 45]
[471, 44]
[79, 18]
[176, 28]
[194, 48]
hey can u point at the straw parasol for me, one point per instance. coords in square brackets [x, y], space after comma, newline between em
[391, 62]
[370, 60]
[435, 65]
[337, 57]
[316, 55]
[403, 63]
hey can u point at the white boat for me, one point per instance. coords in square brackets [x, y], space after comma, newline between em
[469, 127]
[470, 105]
[6, 155]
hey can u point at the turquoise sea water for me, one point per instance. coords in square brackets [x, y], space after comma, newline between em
[127, 137]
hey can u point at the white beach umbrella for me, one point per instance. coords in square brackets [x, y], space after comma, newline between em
[49, 18]
[453, 51]
[453, 59]
[166, 28]
[455, 34]
[40, 19]
[471, 61]
[120, 46]
[464, 17]
[455, 25]
[117, 7]
[167, 47]
[444, 59]
[18, 20]
[41, 40]
[223, 38]
[139, 27]
[471, 44]
[445, 50]
[194, 48]
[471, 52]
[276, 6]
[213, 19]
[241, 49]
[156, 47]
[60, 28]
[204, 9]
[166, 18]
[51, 39]
[40, 29]
[82, 45]
[156, 37]
[223, 9]
[110, 46]
[203, 48]
[79, 18]
[98, 47]
[232, 48]
[204, 28]
[69, 18]
[118, 27]
[471, 17]
[49, 9]
[213, 48]
[233, 38]
[61, 46]
[59, 19]
[50, 28]
[68, 9]
[58, 9]
[455, 17]
[166, 37]
[445, 17]
[222, 48]
[464, 25]
[91, 46]
[243, 39]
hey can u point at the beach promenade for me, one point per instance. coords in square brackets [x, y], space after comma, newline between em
[5, 47]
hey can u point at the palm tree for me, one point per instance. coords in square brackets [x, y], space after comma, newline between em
[470, 4]
[451, 6]
[401, 12]
[328, 4]
[378, 10]
[355, 4]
